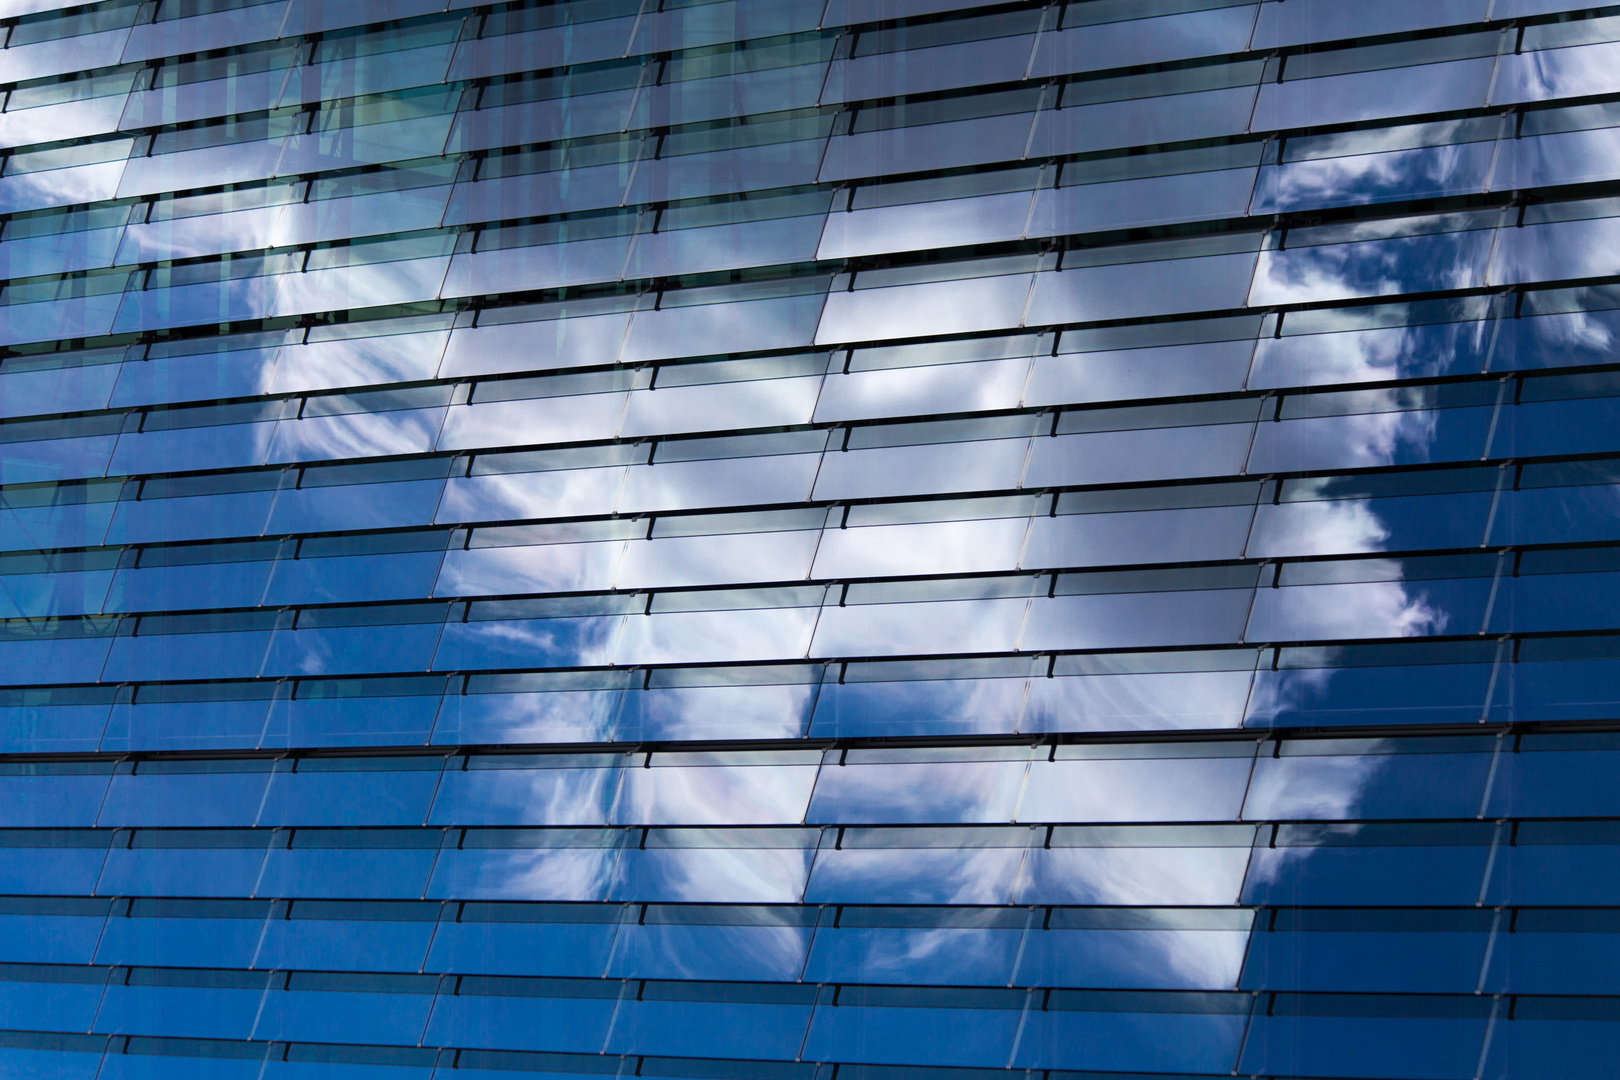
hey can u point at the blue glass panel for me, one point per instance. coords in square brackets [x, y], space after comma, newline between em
[528, 865]
[1558, 689]
[1551, 601]
[525, 1014]
[196, 1004]
[917, 866]
[180, 863]
[52, 861]
[710, 1019]
[1379, 1044]
[50, 931]
[1433, 864]
[160, 588]
[81, 381]
[351, 791]
[1556, 514]
[554, 716]
[1327, 696]
[945, 706]
[65, 651]
[324, 1007]
[57, 720]
[57, 793]
[734, 943]
[170, 1060]
[525, 939]
[1553, 951]
[1394, 778]
[311, 934]
[188, 933]
[370, 577]
[30, 1056]
[1152, 949]
[1556, 862]
[917, 1026]
[1555, 1038]
[1181, 1032]
[340, 507]
[385, 864]
[179, 793]
[526, 643]
[173, 717]
[354, 713]
[763, 866]
[200, 517]
[940, 947]
[223, 371]
[1370, 951]
[715, 712]
[50, 998]
[341, 650]
[337, 1062]
[1555, 776]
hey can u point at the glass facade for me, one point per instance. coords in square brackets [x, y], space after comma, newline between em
[809, 539]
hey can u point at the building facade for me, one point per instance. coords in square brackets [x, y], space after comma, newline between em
[794, 539]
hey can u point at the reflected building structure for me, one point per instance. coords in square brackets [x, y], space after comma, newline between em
[809, 539]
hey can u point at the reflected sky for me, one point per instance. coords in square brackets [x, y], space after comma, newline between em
[916, 571]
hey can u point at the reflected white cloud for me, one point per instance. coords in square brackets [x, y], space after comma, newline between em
[356, 435]
[500, 643]
[560, 341]
[1136, 876]
[731, 324]
[936, 307]
[684, 637]
[1317, 526]
[673, 791]
[496, 571]
[61, 187]
[718, 712]
[726, 872]
[1138, 702]
[1558, 158]
[190, 237]
[915, 875]
[718, 559]
[900, 629]
[921, 707]
[1373, 267]
[1316, 787]
[557, 716]
[1308, 526]
[677, 950]
[1168, 958]
[715, 406]
[1141, 789]
[559, 493]
[679, 485]
[914, 954]
[1364, 609]
[575, 418]
[1348, 177]
[874, 787]
[920, 226]
[583, 873]
[1552, 73]
[356, 361]
[551, 793]
[948, 547]
[884, 392]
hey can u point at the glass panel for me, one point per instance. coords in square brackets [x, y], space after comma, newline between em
[197, 933]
